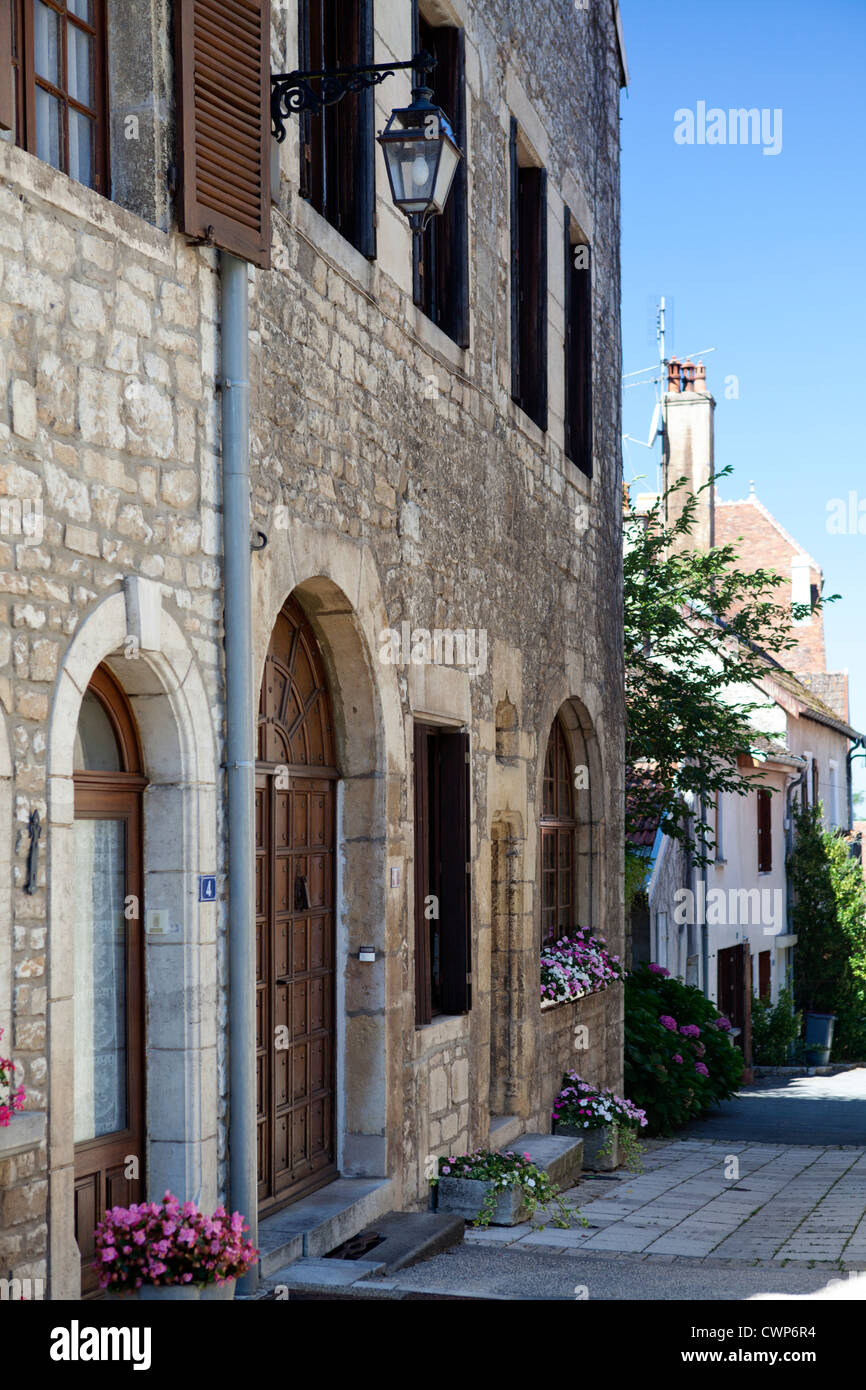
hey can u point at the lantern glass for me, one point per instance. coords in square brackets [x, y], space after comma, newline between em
[421, 164]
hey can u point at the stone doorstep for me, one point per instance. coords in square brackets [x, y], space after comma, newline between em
[316, 1224]
[559, 1156]
[407, 1237]
[504, 1129]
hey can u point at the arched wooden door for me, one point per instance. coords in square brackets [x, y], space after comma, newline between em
[296, 779]
[108, 1007]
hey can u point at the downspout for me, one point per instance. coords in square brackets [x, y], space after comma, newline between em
[240, 766]
[705, 942]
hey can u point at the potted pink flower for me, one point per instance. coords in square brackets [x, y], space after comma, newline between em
[171, 1250]
[11, 1097]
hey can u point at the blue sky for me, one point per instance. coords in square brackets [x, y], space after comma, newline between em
[764, 258]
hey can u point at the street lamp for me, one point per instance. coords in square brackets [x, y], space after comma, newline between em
[421, 156]
[421, 153]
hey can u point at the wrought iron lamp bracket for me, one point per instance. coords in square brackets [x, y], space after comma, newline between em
[293, 92]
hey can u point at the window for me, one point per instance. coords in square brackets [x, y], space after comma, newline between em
[559, 827]
[834, 794]
[337, 146]
[442, 261]
[764, 976]
[765, 832]
[718, 829]
[528, 284]
[442, 917]
[578, 350]
[108, 956]
[59, 67]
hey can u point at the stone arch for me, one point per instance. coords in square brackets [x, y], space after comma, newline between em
[335, 582]
[149, 655]
[582, 734]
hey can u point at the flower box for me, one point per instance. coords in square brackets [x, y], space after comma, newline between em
[600, 1155]
[465, 1197]
[575, 966]
[149, 1293]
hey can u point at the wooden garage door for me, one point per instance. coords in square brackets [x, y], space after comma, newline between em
[296, 781]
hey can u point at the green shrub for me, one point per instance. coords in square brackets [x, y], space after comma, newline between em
[829, 917]
[775, 1028]
[678, 1056]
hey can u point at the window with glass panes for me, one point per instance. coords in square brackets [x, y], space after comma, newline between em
[558, 837]
[58, 65]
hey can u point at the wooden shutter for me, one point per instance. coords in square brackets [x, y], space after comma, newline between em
[578, 357]
[454, 924]
[528, 287]
[515, 265]
[223, 91]
[7, 77]
[764, 964]
[423, 1012]
[442, 258]
[765, 833]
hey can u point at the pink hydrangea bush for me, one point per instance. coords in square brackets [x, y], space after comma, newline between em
[577, 965]
[11, 1097]
[170, 1243]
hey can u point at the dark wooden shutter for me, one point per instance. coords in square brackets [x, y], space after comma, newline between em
[454, 922]
[223, 87]
[7, 82]
[423, 1012]
[442, 255]
[764, 964]
[362, 173]
[515, 264]
[578, 357]
[765, 832]
[539, 281]
[528, 287]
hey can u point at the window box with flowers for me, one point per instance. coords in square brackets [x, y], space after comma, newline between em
[575, 966]
[498, 1189]
[170, 1251]
[607, 1123]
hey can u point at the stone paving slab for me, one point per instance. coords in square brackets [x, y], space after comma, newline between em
[803, 1203]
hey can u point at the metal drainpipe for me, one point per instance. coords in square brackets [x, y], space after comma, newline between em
[240, 766]
[705, 943]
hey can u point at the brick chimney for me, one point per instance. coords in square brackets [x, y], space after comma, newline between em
[688, 446]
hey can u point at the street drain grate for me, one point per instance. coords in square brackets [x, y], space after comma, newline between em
[357, 1248]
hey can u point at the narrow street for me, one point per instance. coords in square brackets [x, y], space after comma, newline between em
[766, 1195]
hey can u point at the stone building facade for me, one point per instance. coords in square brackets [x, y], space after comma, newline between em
[394, 481]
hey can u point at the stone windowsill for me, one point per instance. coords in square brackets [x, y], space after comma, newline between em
[26, 1130]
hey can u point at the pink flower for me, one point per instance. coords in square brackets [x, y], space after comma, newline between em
[677, 1058]
[699, 1067]
[108, 1255]
[667, 1022]
[656, 969]
[724, 1024]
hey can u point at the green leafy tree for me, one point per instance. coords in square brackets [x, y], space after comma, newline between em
[696, 626]
[829, 917]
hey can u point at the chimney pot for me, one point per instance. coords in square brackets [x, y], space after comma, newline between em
[700, 377]
[674, 376]
[688, 376]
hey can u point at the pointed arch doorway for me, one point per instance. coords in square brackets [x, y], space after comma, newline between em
[296, 795]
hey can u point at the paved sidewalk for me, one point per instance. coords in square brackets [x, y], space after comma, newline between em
[785, 1203]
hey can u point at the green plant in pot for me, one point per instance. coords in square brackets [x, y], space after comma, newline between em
[607, 1123]
[171, 1250]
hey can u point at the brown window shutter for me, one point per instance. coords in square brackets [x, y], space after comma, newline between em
[515, 263]
[765, 833]
[7, 86]
[454, 905]
[223, 94]
[423, 1012]
[578, 357]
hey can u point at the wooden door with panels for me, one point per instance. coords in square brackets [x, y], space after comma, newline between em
[108, 963]
[296, 787]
